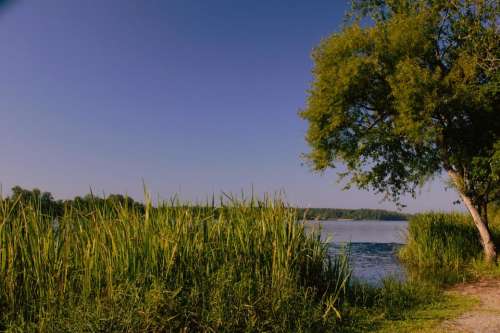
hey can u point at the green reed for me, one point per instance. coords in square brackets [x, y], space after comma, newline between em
[444, 246]
[244, 265]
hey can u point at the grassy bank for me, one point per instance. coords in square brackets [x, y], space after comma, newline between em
[446, 247]
[412, 306]
[115, 265]
[246, 266]
[442, 249]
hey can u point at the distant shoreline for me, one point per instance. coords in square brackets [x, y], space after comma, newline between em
[355, 220]
[342, 214]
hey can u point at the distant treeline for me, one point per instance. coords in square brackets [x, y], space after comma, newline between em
[113, 203]
[352, 214]
[50, 206]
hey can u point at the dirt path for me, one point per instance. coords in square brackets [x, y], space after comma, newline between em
[484, 318]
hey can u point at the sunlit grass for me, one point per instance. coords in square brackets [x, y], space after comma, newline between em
[240, 265]
[245, 265]
[395, 306]
[445, 247]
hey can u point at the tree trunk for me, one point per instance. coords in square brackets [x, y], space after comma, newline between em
[490, 252]
[481, 222]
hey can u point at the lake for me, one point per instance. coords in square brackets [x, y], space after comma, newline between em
[373, 246]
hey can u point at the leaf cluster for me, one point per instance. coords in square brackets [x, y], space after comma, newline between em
[407, 89]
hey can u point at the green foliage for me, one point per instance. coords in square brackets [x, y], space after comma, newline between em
[354, 214]
[244, 266]
[47, 205]
[44, 200]
[412, 306]
[411, 93]
[443, 246]
[393, 296]
[494, 214]
[117, 265]
[50, 206]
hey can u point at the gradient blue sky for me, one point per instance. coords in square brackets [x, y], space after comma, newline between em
[194, 97]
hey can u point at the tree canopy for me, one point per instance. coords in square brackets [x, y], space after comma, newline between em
[56, 208]
[407, 89]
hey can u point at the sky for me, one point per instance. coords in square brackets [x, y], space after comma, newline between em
[191, 97]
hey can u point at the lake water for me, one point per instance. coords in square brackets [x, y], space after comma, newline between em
[372, 244]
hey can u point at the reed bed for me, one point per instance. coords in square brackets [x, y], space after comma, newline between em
[242, 265]
[444, 246]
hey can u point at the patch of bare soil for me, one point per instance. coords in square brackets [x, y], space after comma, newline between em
[485, 317]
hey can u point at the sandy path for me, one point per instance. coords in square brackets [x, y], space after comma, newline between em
[484, 318]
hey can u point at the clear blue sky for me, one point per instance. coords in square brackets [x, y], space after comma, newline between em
[194, 97]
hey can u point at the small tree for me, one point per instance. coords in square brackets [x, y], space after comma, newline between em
[407, 89]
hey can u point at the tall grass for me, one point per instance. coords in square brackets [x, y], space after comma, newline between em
[443, 245]
[243, 266]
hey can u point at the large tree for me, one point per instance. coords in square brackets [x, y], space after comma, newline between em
[409, 89]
